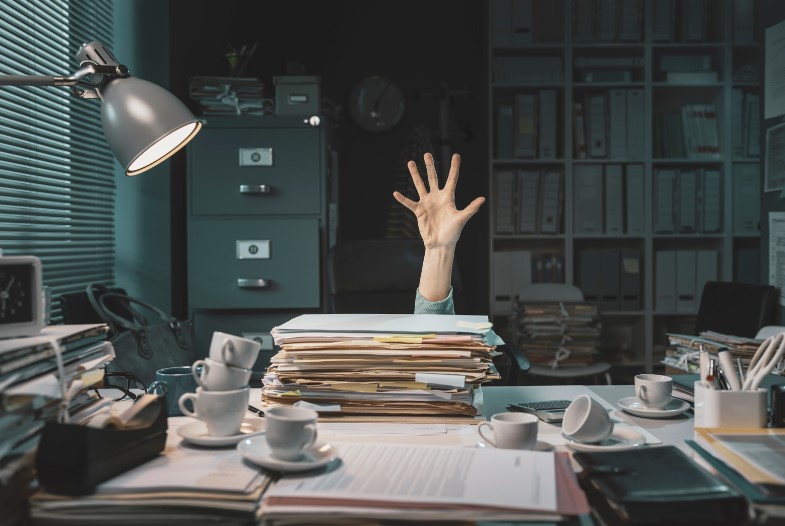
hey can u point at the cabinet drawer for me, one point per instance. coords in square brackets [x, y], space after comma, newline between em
[253, 263]
[244, 171]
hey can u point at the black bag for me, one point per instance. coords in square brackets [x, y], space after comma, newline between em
[143, 345]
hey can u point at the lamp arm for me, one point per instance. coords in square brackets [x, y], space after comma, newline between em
[71, 80]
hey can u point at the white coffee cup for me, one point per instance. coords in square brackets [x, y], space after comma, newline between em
[221, 411]
[511, 430]
[217, 376]
[586, 420]
[234, 350]
[289, 431]
[653, 390]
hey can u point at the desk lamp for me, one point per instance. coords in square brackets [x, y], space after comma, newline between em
[143, 123]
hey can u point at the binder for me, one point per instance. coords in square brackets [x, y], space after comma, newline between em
[618, 123]
[686, 296]
[579, 132]
[665, 281]
[547, 120]
[688, 202]
[663, 21]
[753, 124]
[746, 199]
[584, 21]
[521, 271]
[505, 201]
[705, 270]
[525, 119]
[588, 199]
[521, 22]
[737, 122]
[502, 22]
[550, 202]
[504, 131]
[597, 128]
[694, 17]
[711, 201]
[606, 26]
[502, 282]
[743, 21]
[614, 200]
[635, 199]
[664, 186]
[610, 278]
[528, 198]
[635, 134]
[630, 280]
[591, 274]
[630, 24]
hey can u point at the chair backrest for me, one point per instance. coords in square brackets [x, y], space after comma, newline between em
[379, 276]
[739, 309]
[549, 292]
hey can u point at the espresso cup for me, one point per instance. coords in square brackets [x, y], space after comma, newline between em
[221, 411]
[653, 390]
[289, 431]
[172, 383]
[234, 350]
[586, 420]
[510, 430]
[217, 376]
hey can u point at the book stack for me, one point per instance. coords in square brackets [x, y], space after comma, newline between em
[31, 394]
[230, 96]
[557, 334]
[390, 365]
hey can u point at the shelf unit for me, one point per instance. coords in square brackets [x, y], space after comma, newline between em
[540, 49]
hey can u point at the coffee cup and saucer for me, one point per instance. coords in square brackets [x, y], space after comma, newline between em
[653, 398]
[289, 443]
[587, 426]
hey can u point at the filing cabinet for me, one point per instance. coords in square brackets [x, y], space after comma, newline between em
[257, 214]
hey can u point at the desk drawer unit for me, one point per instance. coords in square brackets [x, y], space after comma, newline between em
[252, 171]
[254, 263]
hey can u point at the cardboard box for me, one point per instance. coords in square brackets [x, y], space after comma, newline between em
[297, 95]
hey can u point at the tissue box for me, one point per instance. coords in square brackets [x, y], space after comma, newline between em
[297, 95]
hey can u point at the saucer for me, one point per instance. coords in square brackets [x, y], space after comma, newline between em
[631, 404]
[256, 450]
[540, 446]
[196, 433]
[621, 438]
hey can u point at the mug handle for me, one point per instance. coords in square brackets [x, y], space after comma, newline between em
[227, 346]
[482, 426]
[153, 388]
[311, 429]
[183, 400]
[641, 393]
[197, 376]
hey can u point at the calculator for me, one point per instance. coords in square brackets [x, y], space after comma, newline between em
[551, 411]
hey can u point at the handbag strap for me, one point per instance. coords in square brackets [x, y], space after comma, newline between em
[132, 324]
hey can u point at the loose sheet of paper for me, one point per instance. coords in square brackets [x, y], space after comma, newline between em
[777, 252]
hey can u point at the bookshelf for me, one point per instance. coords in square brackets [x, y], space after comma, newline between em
[624, 159]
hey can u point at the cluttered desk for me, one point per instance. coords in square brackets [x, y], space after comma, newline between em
[345, 447]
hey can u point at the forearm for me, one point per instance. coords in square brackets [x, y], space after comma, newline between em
[436, 272]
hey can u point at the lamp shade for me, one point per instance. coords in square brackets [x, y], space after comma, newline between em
[143, 123]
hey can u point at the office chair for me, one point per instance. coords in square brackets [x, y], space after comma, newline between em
[382, 275]
[738, 309]
[561, 292]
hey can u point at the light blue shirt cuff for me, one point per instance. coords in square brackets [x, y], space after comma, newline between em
[423, 306]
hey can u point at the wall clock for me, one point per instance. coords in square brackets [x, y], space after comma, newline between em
[21, 301]
[376, 104]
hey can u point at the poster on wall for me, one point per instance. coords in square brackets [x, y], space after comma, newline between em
[777, 252]
[774, 101]
[775, 159]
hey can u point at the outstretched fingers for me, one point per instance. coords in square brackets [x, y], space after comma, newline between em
[405, 201]
[418, 184]
[472, 208]
[433, 180]
[452, 178]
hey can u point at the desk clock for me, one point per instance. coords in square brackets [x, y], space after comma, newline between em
[21, 298]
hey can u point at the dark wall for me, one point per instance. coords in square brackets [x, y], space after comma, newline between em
[429, 48]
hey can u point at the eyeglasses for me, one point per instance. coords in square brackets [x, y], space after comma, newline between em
[131, 382]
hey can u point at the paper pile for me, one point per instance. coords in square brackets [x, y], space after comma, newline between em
[381, 364]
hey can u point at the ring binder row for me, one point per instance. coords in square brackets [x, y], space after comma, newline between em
[680, 276]
[599, 204]
[529, 201]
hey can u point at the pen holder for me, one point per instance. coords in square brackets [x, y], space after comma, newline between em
[722, 408]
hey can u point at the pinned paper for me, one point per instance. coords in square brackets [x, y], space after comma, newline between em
[331, 408]
[354, 386]
[479, 326]
[450, 380]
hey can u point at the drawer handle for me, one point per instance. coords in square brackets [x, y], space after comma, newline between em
[256, 189]
[247, 283]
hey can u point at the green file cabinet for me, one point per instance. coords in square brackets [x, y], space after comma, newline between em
[256, 226]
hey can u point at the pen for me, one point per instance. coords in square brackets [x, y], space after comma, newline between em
[711, 379]
[728, 370]
[704, 362]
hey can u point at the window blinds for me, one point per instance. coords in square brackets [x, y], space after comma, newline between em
[57, 189]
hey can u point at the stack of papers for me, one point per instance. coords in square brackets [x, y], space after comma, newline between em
[381, 364]
[229, 96]
[440, 484]
[684, 349]
[184, 486]
[558, 334]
